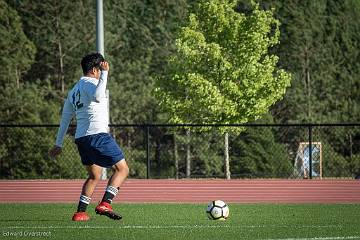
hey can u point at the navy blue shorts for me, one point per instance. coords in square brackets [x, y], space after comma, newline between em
[100, 149]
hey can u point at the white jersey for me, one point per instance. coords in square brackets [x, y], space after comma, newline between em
[87, 100]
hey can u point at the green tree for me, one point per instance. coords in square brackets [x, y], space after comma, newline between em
[63, 31]
[256, 153]
[222, 71]
[23, 152]
[17, 52]
[317, 44]
[138, 39]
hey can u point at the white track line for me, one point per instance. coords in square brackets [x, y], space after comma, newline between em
[189, 227]
[119, 227]
[315, 238]
[167, 227]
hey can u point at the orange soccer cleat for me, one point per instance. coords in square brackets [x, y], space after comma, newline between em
[80, 217]
[105, 208]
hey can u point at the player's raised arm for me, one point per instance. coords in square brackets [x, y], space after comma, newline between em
[100, 91]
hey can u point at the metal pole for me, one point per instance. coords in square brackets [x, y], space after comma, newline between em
[310, 151]
[99, 27]
[100, 49]
[148, 152]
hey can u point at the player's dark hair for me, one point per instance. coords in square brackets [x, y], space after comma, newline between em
[90, 61]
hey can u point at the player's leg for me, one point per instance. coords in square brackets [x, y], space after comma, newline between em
[121, 171]
[88, 188]
[94, 172]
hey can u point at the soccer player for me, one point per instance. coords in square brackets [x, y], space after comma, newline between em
[88, 102]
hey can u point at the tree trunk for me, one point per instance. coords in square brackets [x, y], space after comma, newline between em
[61, 55]
[17, 76]
[308, 93]
[226, 156]
[307, 84]
[351, 146]
[176, 158]
[61, 74]
[61, 68]
[188, 154]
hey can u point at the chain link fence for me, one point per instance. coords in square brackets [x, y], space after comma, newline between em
[193, 151]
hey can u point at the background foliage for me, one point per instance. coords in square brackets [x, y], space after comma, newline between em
[42, 43]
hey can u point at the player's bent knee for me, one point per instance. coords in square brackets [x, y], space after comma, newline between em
[94, 172]
[126, 171]
[95, 177]
[122, 167]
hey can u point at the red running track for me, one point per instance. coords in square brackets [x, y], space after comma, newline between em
[189, 191]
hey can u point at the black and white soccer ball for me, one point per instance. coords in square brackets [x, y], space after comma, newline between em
[217, 210]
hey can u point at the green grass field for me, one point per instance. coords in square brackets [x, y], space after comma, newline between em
[183, 221]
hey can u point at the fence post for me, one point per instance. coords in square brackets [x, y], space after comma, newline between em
[148, 151]
[226, 157]
[310, 151]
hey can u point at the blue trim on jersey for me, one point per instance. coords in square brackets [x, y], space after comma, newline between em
[100, 149]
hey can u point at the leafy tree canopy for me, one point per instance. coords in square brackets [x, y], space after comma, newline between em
[222, 71]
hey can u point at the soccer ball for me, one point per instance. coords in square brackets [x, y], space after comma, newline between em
[217, 210]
